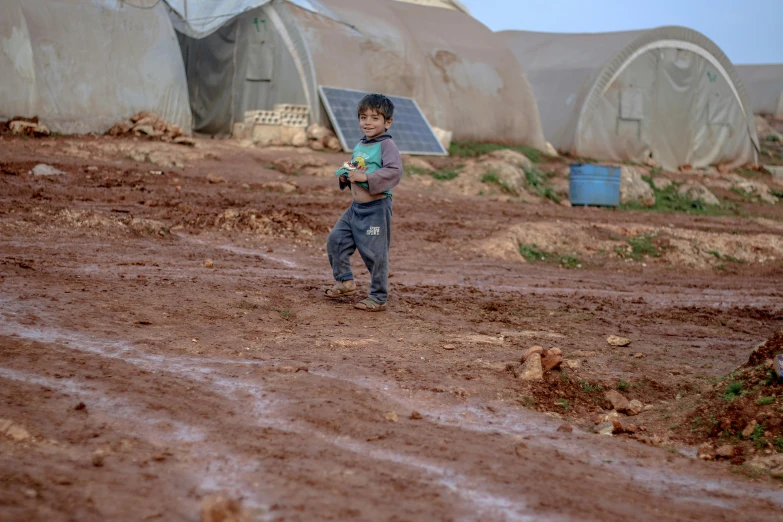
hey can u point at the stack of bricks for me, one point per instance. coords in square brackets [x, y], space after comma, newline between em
[279, 125]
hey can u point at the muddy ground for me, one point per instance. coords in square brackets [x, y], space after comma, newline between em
[164, 336]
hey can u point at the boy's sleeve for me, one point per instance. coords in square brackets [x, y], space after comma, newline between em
[388, 176]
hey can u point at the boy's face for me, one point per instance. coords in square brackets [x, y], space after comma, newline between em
[373, 124]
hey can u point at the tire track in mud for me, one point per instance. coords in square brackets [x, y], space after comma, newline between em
[204, 371]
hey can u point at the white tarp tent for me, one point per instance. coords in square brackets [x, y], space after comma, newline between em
[669, 94]
[764, 84]
[460, 73]
[82, 66]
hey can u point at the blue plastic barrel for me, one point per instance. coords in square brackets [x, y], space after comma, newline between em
[594, 185]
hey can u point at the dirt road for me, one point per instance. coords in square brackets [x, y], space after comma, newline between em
[165, 336]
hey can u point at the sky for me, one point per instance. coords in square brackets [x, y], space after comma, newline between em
[748, 31]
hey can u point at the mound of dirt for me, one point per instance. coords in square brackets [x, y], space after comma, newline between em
[24, 126]
[276, 222]
[743, 409]
[149, 124]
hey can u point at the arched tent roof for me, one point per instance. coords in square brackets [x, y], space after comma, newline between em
[668, 92]
[83, 66]
[764, 84]
[460, 73]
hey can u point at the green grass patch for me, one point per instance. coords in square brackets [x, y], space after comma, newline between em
[668, 200]
[763, 401]
[642, 245]
[473, 149]
[531, 253]
[725, 257]
[733, 391]
[623, 385]
[570, 262]
[563, 403]
[285, 314]
[446, 174]
[589, 388]
[537, 180]
[777, 193]
[778, 444]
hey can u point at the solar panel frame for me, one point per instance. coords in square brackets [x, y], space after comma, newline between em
[401, 131]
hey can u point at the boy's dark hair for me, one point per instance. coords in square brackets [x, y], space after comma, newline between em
[379, 103]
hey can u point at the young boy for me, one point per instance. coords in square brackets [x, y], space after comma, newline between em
[373, 171]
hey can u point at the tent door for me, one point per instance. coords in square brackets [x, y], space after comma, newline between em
[261, 55]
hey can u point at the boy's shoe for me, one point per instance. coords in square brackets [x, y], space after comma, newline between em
[368, 305]
[339, 290]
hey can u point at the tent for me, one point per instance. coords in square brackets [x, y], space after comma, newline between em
[764, 84]
[461, 74]
[669, 94]
[83, 66]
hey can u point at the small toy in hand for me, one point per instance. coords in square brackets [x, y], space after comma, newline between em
[349, 165]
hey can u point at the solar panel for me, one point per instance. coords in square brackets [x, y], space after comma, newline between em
[411, 131]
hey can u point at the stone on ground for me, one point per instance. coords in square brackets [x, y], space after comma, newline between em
[726, 451]
[633, 188]
[531, 369]
[512, 157]
[635, 407]
[530, 351]
[43, 169]
[615, 340]
[551, 359]
[698, 192]
[706, 452]
[221, 508]
[619, 402]
[661, 183]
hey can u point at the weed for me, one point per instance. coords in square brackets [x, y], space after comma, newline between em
[537, 180]
[446, 174]
[589, 388]
[563, 403]
[777, 193]
[270, 167]
[531, 253]
[748, 471]
[733, 391]
[642, 245]
[758, 432]
[772, 138]
[623, 385]
[528, 401]
[763, 401]
[570, 262]
[492, 177]
[778, 443]
[416, 170]
[564, 376]
[285, 314]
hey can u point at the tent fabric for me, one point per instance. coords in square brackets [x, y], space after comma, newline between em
[764, 84]
[668, 93]
[459, 72]
[83, 66]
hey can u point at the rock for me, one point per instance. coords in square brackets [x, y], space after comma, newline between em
[332, 143]
[139, 116]
[753, 188]
[149, 130]
[605, 428]
[551, 150]
[299, 139]
[509, 177]
[631, 428]
[565, 428]
[417, 164]
[749, 429]
[706, 452]
[391, 416]
[617, 426]
[208, 263]
[98, 458]
[661, 183]
[698, 192]
[28, 128]
[43, 169]
[607, 417]
[185, 140]
[633, 188]
[638, 355]
[123, 127]
[530, 351]
[415, 415]
[551, 359]
[635, 407]
[619, 402]
[80, 407]
[727, 451]
[212, 178]
[221, 508]
[317, 132]
[531, 369]
[444, 137]
[280, 186]
[649, 407]
[573, 364]
[614, 340]
[512, 157]
[17, 433]
[316, 145]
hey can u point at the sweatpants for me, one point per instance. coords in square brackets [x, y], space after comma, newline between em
[365, 227]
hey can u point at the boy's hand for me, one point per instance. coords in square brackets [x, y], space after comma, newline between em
[358, 175]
